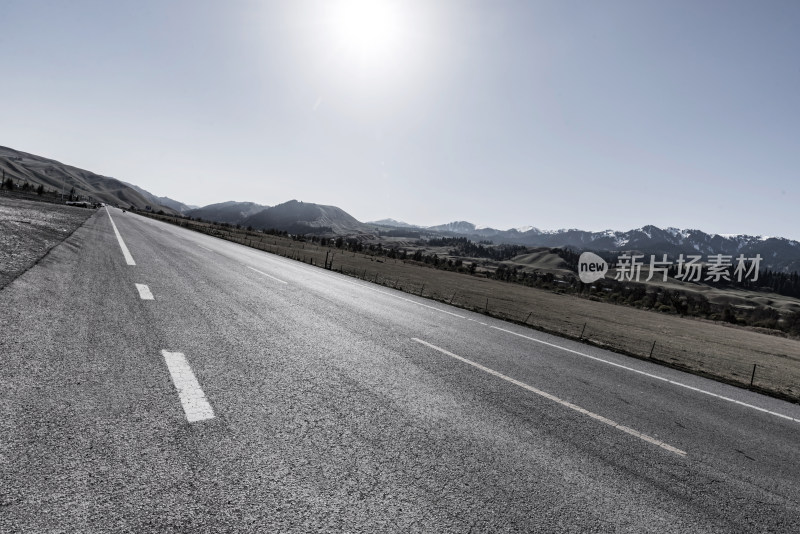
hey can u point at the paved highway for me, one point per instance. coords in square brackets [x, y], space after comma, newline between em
[158, 380]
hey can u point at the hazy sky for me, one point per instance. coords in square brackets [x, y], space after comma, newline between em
[586, 114]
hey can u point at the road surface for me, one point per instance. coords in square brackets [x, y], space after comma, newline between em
[158, 380]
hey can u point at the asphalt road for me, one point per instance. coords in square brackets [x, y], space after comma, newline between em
[323, 403]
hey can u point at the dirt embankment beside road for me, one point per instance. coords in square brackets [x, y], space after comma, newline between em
[29, 229]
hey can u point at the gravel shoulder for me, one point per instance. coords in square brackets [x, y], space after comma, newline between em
[29, 229]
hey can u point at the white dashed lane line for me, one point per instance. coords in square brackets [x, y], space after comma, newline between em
[144, 292]
[125, 251]
[627, 430]
[267, 275]
[195, 404]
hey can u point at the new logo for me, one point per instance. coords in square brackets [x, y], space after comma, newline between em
[591, 267]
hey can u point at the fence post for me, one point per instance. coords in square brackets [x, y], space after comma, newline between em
[753, 376]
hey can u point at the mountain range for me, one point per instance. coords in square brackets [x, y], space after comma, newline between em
[777, 253]
[297, 217]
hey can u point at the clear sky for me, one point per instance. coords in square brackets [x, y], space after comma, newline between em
[556, 114]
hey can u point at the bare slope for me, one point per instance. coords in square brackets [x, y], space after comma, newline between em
[22, 167]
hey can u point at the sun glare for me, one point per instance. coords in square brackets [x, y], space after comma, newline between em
[369, 30]
[372, 58]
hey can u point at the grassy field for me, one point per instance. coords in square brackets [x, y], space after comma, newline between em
[714, 349]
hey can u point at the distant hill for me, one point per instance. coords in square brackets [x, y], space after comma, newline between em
[180, 207]
[456, 227]
[393, 223]
[305, 217]
[54, 175]
[539, 259]
[227, 212]
[176, 205]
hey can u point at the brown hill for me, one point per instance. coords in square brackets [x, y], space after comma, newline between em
[307, 218]
[22, 168]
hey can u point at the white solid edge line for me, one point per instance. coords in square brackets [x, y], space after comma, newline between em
[376, 290]
[650, 375]
[194, 402]
[344, 278]
[267, 275]
[144, 292]
[125, 251]
[562, 402]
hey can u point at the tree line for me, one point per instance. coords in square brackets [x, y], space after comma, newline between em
[8, 183]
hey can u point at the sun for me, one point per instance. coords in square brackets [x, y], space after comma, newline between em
[371, 58]
[368, 30]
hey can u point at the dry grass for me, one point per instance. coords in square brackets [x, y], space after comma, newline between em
[717, 350]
